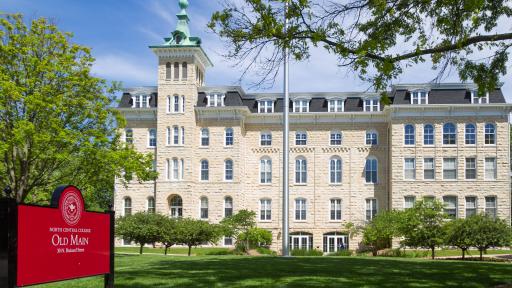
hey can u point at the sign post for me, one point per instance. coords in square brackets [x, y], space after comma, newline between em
[60, 242]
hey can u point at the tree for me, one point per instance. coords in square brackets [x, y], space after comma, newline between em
[255, 237]
[141, 228]
[379, 233]
[375, 39]
[487, 232]
[239, 223]
[169, 236]
[422, 225]
[458, 234]
[193, 232]
[58, 123]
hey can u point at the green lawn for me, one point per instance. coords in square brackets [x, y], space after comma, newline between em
[172, 250]
[239, 271]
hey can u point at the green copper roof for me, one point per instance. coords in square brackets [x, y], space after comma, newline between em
[181, 35]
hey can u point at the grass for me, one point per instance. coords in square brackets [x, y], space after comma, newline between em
[241, 271]
[174, 250]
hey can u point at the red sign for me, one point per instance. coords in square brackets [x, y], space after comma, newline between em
[62, 243]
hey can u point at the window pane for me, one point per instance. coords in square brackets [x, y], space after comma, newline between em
[428, 135]
[470, 168]
[490, 168]
[450, 206]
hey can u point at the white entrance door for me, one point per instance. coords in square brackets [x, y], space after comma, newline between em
[300, 242]
[336, 243]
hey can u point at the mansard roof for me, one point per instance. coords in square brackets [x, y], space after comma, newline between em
[128, 94]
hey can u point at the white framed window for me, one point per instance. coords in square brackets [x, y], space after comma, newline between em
[450, 206]
[490, 134]
[450, 168]
[336, 105]
[300, 209]
[176, 104]
[409, 202]
[449, 134]
[176, 207]
[265, 106]
[409, 134]
[168, 135]
[205, 137]
[175, 135]
[266, 139]
[491, 206]
[335, 209]
[429, 172]
[409, 168]
[151, 205]
[336, 138]
[215, 99]
[204, 208]
[182, 168]
[265, 209]
[371, 105]
[128, 136]
[228, 170]
[140, 101]
[176, 71]
[228, 241]
[479, 100]
[471, 206]
[419, 97]
[301, 138]
[335, 170]
[301, 106]
[301, 170]
[229, 137]
[470, 134]
[490, 168]
[184, 71]
[371, 208]
[265, 170]
[228, 206]
[205, 171]
[168, 71]
[428, 134]
[127, 206]
[182, 135]
[372, 138]
[370, 170]
[175, 169]
[182, 104]
[152, 138]
[470, 171]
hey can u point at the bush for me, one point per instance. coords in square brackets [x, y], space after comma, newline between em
[221, 252]
[256, 237]
[398, 252]
[341, 253]
[266, 251]
[304, 252]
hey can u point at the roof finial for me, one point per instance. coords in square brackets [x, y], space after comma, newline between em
[183, 5]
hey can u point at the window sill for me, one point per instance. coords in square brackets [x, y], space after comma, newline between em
[266, 184]
[300, 221]
[229, 147]
[335, 221]
[336, 184]
[151, 147]
[300, 184]
[265, 221]
[266, 146]
[204, 147]
[449, 145]
[429, 145]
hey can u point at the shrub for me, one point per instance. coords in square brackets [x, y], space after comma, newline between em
[255, 237]
[266, 251]
[221, 252]
[341, 253]
[304, 252]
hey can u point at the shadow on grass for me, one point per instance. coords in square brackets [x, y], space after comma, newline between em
[228, 271]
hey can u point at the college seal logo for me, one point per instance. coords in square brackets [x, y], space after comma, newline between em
[71, 208]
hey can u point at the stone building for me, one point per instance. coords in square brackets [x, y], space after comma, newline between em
[219, 150]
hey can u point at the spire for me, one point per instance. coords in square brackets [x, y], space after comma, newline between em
[183, 20]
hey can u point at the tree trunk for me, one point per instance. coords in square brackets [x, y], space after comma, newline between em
[433, 252]
[189, 249]
[463, 254]
[481, 252]
[166, 247]
[141, 247]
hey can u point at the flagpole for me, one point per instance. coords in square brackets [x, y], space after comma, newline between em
[286, 144]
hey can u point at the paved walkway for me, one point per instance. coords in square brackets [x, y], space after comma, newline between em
[499, 256]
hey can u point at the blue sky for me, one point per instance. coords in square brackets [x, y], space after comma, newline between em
[119, 32]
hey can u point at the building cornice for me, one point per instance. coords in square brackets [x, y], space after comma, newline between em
[139, 114]
[183, 52]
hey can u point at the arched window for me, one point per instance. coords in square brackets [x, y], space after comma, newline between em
[449, 134]
[470, 134]
[372, 138]
[428, 134]
[127, 206]
[175, 135]
[204, 208]
[204, 170]
[128, 136]
[205, 137]
[301, 170]
[151, 205]
[370, 170]
[168, 71]
[409, 138]
[335, 166]
[176, 71]
[300, 209]
[229, 137]
[490, 134]
[228, 206]
[176, 206]
[265, 209]
[152, 137]
[335, 211]
[228, 170]
[184, 73]
[265, 170]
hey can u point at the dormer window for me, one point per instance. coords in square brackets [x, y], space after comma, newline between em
[371, 105]
[141, 101]
[336, 105]
[479, 100]
[215, 100]
[265, 106]
[301, 106]
[419, 97]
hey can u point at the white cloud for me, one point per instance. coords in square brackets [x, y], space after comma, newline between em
[118, 67]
